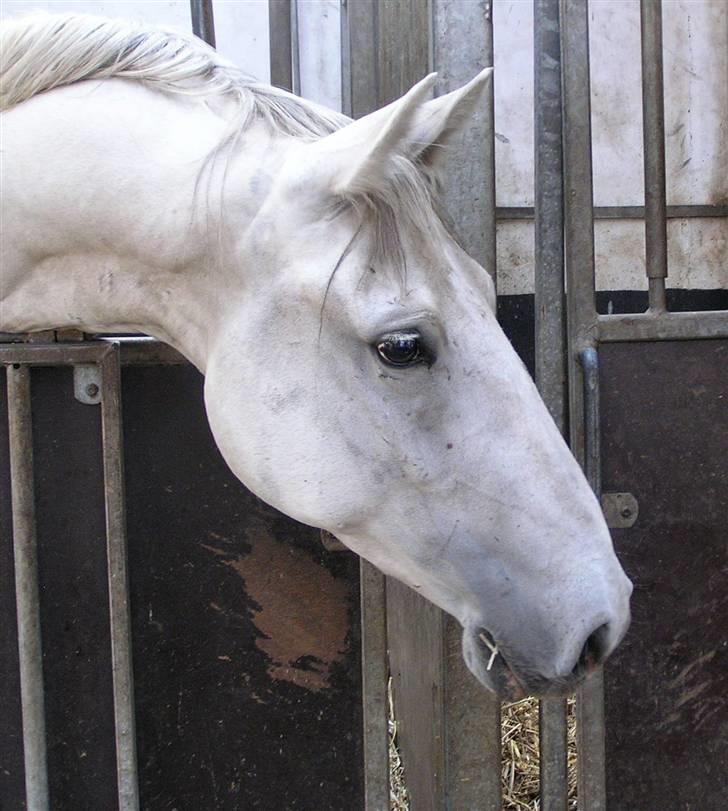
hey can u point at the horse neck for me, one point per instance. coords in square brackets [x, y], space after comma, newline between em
[119, 230]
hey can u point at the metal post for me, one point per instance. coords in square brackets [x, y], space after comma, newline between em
[281, 55]
[203, 21]
[550, 311]
[581, 330]
[578, 206]
[653, 126]
[26, 588]
[590, 719]
[121, 657]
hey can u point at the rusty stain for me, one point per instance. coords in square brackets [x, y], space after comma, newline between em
[302, 612]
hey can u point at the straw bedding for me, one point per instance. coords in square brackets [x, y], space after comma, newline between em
[519, 740]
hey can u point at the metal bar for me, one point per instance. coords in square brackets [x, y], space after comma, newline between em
[489, 198]
[653, 128]
[663, 326]
[121, 657]
[549, 225]
[684, 212]
[374, 687]
[550, 309]
[133, 351]
[51, 354]
[279, 33]
[578, 201]
[295, 50]
[589, 361]
[26, 588]
[203, 21]
[592, 790]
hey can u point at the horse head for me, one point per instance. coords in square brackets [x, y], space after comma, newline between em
[362, 384]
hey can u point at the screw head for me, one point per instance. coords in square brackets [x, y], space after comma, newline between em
[92, 390]
[626, 512]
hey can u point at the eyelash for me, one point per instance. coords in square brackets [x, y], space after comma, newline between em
[418, 354]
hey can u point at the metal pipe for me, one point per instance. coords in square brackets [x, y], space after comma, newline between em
[682, 212]
[279, 33]
[590, 720]
[663, 326]
[121, 654]
[489, 196]
[295, 50]
[26, 588]
[203, 21]
[653, 128]
[550, 307]
[578, 206]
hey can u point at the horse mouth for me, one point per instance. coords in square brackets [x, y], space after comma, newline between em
[488, 664]
[498, 671]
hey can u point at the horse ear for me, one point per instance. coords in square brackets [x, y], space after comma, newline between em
[358, 157]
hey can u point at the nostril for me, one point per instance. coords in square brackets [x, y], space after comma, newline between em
[594, 651]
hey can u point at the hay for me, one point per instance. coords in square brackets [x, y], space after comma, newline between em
[520, 755]
[398, 797]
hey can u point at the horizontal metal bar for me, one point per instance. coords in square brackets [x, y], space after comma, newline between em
[684, 212]
[26, 588]
[53, 354]
[134, 352]
[663, 326]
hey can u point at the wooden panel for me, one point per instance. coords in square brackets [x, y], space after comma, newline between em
[665, 440]
[416, 660]
[246, 642]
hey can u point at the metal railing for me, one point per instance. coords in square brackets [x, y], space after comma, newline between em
[18, 359]
[562, 45]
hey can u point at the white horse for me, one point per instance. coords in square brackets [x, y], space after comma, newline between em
[355, 375]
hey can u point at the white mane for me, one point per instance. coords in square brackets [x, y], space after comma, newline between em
[44, 51]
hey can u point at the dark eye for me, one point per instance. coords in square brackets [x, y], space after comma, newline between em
[402, 349]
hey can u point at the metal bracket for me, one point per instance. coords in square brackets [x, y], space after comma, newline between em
[87, 383]
[620, 509]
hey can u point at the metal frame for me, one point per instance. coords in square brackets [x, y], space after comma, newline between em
[18, 359]
[576, 359]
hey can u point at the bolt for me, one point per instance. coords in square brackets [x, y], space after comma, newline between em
[92, 390]
[626, 512]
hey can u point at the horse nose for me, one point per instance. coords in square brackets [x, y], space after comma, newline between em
[594, 651]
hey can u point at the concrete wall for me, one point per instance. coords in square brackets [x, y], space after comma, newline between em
[696, 104]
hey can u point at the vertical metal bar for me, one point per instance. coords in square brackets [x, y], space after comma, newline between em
[550, 309]
[578, 206]
[374, 687]
[295, 50]
[581, 333]
[279, 32]
[203, 21]
[590, 719]
[489, 199]
[121, 653]
[549, 213]
[26, 588]
[653, 128]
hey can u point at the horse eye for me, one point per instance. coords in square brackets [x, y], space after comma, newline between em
[401, 349]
